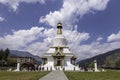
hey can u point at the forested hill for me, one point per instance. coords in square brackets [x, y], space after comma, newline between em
[109, 59]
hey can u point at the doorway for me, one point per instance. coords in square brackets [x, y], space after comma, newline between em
[58, 63]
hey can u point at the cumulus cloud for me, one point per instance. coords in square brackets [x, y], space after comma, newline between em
[95, 48]
[75, 38]
[71, 10]
[20, 38]
[15, 3]
[114, 37]
[2, 19]
[37, 48]
[99, 39]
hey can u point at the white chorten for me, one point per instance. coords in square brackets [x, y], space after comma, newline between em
[95, 66]
[59, 56]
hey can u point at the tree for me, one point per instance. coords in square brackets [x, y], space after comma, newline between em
[4, 56]
[118, 64]
[1, 54]
[91, 65]
[6, 53]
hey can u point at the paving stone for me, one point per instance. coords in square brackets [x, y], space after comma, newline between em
[55, 75]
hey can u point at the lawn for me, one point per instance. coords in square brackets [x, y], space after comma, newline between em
[21, 75]
[93, 75]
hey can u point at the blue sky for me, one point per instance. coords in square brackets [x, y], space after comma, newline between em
[91, 26]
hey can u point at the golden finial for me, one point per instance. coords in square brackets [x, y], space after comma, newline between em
[59, 27]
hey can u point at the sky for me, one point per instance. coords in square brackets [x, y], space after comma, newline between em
[91, 27]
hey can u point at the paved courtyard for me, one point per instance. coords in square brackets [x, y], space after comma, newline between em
[55, 75]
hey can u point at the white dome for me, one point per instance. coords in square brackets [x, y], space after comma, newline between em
[59, 40]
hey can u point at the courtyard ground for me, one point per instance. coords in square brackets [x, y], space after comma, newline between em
[4, 75]
[111, 75]
[71, 75]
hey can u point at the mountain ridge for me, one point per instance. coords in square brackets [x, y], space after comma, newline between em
[17, 53]
[108, 59]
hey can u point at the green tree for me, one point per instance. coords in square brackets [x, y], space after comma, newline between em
[5, 55]
[1, 54]
[118, 64]
[91, 65]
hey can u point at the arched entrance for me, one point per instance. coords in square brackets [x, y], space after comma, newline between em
[59, 61]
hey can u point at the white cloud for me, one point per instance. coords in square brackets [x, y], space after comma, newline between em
[15, 3]
[114, 37]
[99, 39]
[2, 19]
[72, 9]
[95, 48]
[37, 48]
[75, 38]
[20, 38]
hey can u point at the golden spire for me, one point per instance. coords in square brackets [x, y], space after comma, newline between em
[59, 27]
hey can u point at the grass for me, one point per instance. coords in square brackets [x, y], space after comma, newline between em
[21, 75]
[93, 75]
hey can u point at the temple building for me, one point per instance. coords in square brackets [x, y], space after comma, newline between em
[59, 56]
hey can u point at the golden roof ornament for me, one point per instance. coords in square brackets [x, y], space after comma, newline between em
[59, 27]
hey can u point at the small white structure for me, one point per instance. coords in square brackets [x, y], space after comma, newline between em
[95, 66]
[18, 65]
[59, 56]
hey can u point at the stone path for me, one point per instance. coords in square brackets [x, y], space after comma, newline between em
[55, 75]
